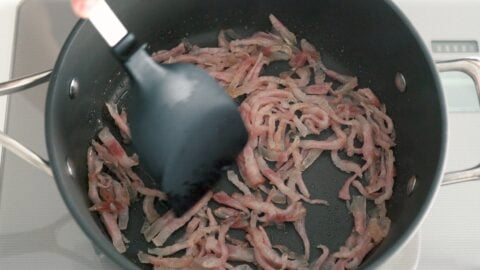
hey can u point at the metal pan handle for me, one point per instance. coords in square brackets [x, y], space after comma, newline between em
[24, 83]
[12, 145]
[471, 67]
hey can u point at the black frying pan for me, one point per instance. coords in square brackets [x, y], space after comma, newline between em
[368, 38]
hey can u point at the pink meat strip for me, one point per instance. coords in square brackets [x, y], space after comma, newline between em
[345, 165]
[272, 123]
[192, 238]
[158, 225]
[285, 169]
[309, 157]
[378, 228]
[336, 144]
[293, 212]
[219, 52]
[340, 265]
[108, 219]
[136, 181]
[260, 83]
[265, 251]
[302, 232]
[348, 86]
[240, 254]
[262, 41]
[279, 136]
[116, 149]
[152, 192]
[304, 76]
[317, 265]
[358, 207]
[389, 178]
[166, 263]
[225, 212]
[279, 112]
[120, 172]
[212, 222]
[298, 60]
[381, 138]
[287, 36]
[318, 116]
[296, 175]
[149, 209]
[368, 148]
[95, 166]
[319, 89]
[350, 147]
[110, 222]
[370, 96]
[120, 120]
[224, 251]
[278, 53]
[162, 56]
[248, 168]
[193, 225]
[104, 154]
[223, 198]
[344, 192]
[313, 59]
[302, 128]
[364, 192]
[255, 70]
[240, 75]
[233, 178]
[384, 121]
[275, 179]
[176, 223]
[222, 40]
[122, 197]
[318, 100]
[104, 180]
[354, 255]
[276, 196]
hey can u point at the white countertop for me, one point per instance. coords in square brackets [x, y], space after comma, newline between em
[7, 30]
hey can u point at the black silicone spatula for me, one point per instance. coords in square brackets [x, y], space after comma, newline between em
[184, 126]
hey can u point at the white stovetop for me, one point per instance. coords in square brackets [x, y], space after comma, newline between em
[38, 236]
[7, 28]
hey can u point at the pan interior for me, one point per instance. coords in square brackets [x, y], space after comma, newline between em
[368, 39]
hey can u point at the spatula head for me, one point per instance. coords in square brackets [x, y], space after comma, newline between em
[185, 128]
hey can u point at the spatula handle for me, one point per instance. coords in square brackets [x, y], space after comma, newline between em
[107, 23]
[122, 42]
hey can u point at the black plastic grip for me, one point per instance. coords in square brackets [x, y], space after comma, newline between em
[126, 47]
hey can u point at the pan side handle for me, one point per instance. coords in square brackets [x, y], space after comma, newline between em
[467, 175]
[9, 143]
[471, 67]
[24, 153]
[24, 83]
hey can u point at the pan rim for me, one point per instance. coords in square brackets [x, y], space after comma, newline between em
[105, 245]
[432, 195]
[102, 243]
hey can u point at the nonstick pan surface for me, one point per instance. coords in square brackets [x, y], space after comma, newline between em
[369, 38]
